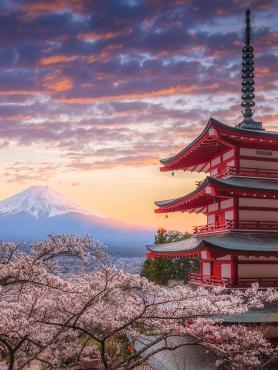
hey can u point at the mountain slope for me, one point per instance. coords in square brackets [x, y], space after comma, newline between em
[40, 201]
[39, 211]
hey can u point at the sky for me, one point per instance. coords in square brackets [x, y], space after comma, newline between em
[94, 92]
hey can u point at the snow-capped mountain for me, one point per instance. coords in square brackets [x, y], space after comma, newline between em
[41, 201]
[39, 211]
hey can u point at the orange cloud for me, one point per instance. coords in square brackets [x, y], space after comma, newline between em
[272, 38]
[54, 59]
[262, 70]
[164, 92]
[20, 92]
[38, 7]
[93, 36]
[18, 117]
[104, 55]
[57, 82]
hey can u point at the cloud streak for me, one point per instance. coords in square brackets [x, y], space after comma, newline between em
[123, 83]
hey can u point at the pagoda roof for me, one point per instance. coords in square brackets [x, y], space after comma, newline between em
[212, 187]
[235, 242]
[193, 199]
[247, 183]
[215, 137]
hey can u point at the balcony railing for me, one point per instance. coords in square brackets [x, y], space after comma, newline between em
[241, 225]
[226, 225]
[250, 172]
[199, 279]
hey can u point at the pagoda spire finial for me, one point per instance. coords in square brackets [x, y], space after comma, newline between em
[248, 82]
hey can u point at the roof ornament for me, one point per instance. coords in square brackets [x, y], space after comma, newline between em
[248, 82]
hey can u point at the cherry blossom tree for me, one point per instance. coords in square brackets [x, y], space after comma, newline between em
[117, 318]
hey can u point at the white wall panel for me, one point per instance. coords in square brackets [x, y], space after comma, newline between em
[257, 270]
[263, 165]
[231, 163]
[226, 271]
[260, 258]
[211, 219]
[228, 203]
[253, 153]
[258, 216]
[228, 154]
[213, 207]
[226, 258]
[229, 215]
[206, 268]
[215, 161]
[253, 202]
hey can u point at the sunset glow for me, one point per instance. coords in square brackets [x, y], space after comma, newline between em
[94, 93]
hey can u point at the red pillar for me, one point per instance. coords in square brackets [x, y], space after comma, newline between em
[234, 270]
[236, 212]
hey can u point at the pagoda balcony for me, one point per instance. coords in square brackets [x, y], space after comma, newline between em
[249, 172]
[212, 228]
[207, 280]
[240, 226]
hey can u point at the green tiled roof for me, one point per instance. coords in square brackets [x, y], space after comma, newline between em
[269, 314]
[255, 242]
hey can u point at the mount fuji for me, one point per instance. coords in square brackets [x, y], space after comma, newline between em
[39, 210]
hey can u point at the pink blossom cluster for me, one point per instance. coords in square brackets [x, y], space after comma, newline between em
[62, 321]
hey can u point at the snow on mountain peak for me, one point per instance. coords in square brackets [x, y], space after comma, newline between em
[41, 201]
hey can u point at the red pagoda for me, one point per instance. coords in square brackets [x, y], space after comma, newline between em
[239, 244]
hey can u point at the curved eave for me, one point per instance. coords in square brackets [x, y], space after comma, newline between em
[234, 243]
[174, 205]
[255, 243]
[174, 162]
[219, 187]
[245, 184]
[188, 247]
[193, 155]
[167, 161]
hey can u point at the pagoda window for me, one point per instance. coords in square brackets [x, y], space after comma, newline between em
[211, 219]
[206, 268]
[264, 153]
[226, 270]
[229, 215]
